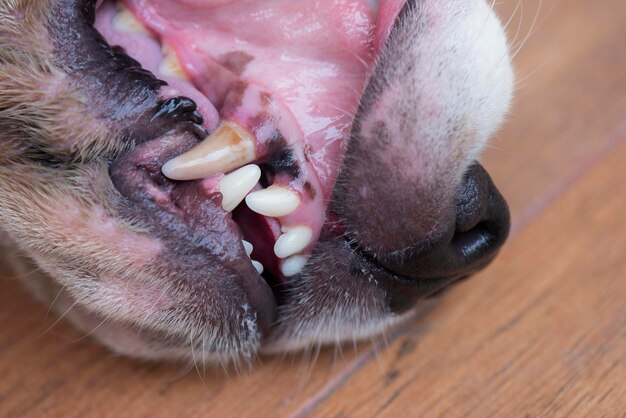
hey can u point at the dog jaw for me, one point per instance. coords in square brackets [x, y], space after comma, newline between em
[429, 108]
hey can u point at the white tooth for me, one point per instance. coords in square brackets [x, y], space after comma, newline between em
[236, 185]
[170, 66]
[247, 246]
[293, 265]
[292, 241]
[258, 266]
[275, 201]
[228, 148]
[125, 21]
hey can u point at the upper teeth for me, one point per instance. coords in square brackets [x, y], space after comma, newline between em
[236, 185]
[125, 21]
[292, 241]
[171, 66]
[275, 201]
[226, 149]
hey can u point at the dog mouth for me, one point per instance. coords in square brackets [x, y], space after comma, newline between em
[270, 91]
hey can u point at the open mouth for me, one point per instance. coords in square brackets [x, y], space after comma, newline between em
[274, 87]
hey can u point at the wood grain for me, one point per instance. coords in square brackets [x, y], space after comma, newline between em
[538, 332]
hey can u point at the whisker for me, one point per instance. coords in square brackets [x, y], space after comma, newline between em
[59, 319]
[530, 30]
[506, 25]
[193, 356]
[45, 318]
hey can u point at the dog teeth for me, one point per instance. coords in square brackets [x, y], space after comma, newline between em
[275, 201]
[236, 185]
[258, 266]
[293, 265]
[228, 148]
[293, 240]
[247, 246]
[171, 66]
[125, 21]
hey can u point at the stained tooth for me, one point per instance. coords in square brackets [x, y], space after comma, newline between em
[236, 185]
[274, 201]
[293, 240]
[258, 266]
[170, 66]
[293, 265]
[125, 21]
[229, 147]
[247, 246]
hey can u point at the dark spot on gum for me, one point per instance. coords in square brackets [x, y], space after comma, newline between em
[281, 158]
[234, 97]
[308, 188]
[235, 61]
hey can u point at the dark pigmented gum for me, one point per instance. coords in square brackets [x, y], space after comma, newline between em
[235, 61]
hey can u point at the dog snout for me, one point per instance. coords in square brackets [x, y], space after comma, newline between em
[465, 245]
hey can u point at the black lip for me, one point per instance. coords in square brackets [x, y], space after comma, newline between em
[201, 241]
[423, 283]
[403, 292]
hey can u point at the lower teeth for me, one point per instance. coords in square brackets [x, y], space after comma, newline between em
[292, 241]
[293, 265]
[258, 266]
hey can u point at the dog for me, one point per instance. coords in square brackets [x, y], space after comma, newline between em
[228, 178]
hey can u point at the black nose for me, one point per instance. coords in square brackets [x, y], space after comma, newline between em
[466, 245]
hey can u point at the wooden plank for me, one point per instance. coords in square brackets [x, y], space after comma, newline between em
[542, 333]
[567, 109]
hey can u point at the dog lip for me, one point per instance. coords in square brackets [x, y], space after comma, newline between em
[336, 230]
[188, 220]
[411, 281]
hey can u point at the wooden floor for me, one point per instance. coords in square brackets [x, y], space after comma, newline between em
[541, 333]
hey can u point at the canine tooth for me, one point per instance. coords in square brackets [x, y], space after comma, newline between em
[275, 201]
[247, 246]
[292, 241]
[293, 265]
[170, 66]
[228, 148]
[236, 185]
[258, 266]
[125, 21]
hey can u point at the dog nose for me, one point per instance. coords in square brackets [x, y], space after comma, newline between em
[468, 243]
